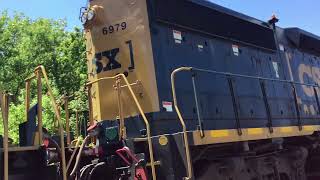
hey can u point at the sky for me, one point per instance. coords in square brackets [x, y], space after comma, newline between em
[292, 13]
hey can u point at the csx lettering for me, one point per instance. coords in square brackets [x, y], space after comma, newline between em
[311, 73]
[106, 60]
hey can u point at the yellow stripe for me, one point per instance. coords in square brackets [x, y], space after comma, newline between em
[255, 131]
[231, 135]
[286, 129]
[309, 128]
[219, 133]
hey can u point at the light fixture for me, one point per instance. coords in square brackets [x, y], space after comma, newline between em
[90, 14]
[86, 15]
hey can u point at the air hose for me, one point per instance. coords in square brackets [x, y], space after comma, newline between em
[76, 165]
[93, 131]
[73, 153]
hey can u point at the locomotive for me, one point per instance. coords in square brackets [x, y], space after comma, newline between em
[187, 89]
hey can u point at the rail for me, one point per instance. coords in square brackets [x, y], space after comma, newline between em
[122, 126]
[38, 73]
[79, 114]
[64, 101]
[184, 127]
[5, 116]
[77, 124]
[66, 109]
[234, 101]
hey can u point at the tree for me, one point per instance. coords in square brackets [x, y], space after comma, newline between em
[27, 43]
[70, 66]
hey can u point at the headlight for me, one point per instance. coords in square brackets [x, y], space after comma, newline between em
[86, 15]
[90, 14]
[84, 18]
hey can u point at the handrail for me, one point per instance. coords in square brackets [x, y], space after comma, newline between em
[65, 103]
[122, 131]
[151, 154]
[56, 109]
[197, 105]
[5, 115]
[252, 77]
[77, 124]
[38, 73]
[173, 74]
[184, 127]
[39, 97]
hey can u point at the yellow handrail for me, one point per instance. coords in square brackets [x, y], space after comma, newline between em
[66, 109]
[152, 162]
[123, 133]
[5, 114]
[56, 110]
[65, 102]
[184, 128]
[39, 97]
[77, 124]
[38, 73]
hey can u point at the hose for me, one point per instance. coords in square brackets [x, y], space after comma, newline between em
[73, 153]
[102, 170]
[75, 168]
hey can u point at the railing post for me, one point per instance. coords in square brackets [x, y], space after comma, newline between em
[122, 128]
[39, 97]
[66, 109]
[267, 106]
[27, 100]
[90, 104]
[5, 117]
[294, 91]
[91, 121]
[183, 124]
[77, 123]
[317, 98]
[235, 106]
[197, 105]
[151, 153]
[56, 110]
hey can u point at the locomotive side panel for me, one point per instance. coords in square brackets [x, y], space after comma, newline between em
[302, 66]
[181, 42]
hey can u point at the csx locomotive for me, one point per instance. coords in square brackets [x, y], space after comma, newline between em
[187, 89]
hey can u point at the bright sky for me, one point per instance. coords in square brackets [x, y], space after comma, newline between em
[301, 13]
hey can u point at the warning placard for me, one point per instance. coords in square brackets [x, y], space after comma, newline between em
[167, 105]
[177, 35]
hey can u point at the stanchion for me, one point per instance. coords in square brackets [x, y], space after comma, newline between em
[5, 114]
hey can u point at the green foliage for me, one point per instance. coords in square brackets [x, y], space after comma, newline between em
[27, 43]
[70, 66]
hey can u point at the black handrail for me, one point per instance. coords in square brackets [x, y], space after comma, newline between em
[264, 94]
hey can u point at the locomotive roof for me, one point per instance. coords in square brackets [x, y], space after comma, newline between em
[212, 19]
[303, 40]
[230, 12]
[299, 37]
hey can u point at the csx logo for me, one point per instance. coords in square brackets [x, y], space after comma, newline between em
[309, 72]
[110, 58]
[107, 60]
